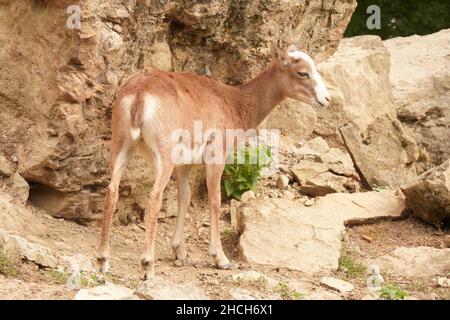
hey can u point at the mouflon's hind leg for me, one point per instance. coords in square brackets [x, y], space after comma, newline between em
[184, 197]
[118, 162]
[213, 176]
[162, 177]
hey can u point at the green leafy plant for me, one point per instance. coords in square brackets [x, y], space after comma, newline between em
[350, 266]
[391, 292]
[227, 232]
[287, 294]
[243, 174]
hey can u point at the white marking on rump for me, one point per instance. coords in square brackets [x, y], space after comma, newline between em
[150, 106]
[135, 133]
[127, 103]
[321, 90]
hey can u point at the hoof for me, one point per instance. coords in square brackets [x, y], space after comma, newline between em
[180, 263]
[102, 264]
[148, 269]
[180, 252]
[147, 275]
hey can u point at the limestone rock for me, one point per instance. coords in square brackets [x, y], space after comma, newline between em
[420, 78]
[282, 182]
[314, 147]
[365, 61]
[383, 153]
[429, 195]
[18, 246]
[19, 188]
[379, 146]
[342, 286]
[242, 294]
[323, 170]
[307, 170]
[160, 289]
[14, 217]
[326, 183]
[57, 118]
[294, 119]
[443, 282]
[6, 168]
[288, 234]
[416, 262]
[109, 291]
[248, 195]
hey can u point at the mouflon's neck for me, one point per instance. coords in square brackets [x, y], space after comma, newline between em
[260, 96]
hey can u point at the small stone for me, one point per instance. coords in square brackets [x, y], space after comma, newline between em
[282, 182]
[342, 286]
[117, 28]
[178, 263]
[308, 202]
[109, 291]
[160, 289]
[367, 238]
[246, 196]
[443, 282]
[288, 195]
[122, 13]
[241, 294]
[233, 216]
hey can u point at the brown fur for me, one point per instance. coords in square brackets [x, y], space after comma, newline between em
[183, 98]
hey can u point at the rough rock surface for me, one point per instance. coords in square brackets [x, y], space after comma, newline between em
[429, 195]
[283, 233]
[369, 114]
[15, 217]
[19, 247]
[416, 262]
[383, 154]
[420, 78]
[58, 84]
[322, 170]
[160, 289]
[342, 286]
[6, 168]
[109, 291]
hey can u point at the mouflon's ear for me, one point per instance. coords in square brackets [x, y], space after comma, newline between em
[279, 55]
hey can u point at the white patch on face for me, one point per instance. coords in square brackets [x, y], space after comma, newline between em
[321, 90]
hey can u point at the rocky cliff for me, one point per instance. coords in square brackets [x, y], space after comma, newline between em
[58, 84]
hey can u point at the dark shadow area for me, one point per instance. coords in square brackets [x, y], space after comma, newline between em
[400, 18]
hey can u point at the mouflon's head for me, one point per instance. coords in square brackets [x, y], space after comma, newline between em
[299, 77]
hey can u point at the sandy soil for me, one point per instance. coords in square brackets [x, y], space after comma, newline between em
[70, 238]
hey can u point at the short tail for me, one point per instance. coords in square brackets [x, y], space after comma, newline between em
[137, 116]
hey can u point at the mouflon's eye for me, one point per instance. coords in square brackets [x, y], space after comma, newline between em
[303, 75]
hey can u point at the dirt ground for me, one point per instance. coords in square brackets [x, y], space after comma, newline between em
[65, 237]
